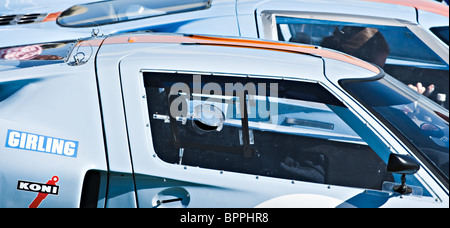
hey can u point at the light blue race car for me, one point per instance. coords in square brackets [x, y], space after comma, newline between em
[407, 38]
[157, 120]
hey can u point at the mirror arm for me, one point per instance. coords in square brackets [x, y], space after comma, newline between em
[403, 189]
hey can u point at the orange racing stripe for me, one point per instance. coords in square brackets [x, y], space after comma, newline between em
[51, 17]
[243, 43]
[425, 5]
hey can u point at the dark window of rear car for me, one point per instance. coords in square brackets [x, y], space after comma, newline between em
[442, 33]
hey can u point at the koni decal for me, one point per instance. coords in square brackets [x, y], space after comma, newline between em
[40, 143]
[43, 190]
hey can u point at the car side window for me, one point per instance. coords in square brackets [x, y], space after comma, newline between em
[276, 128]
[357, 39]
[442, 33]
[396, 49]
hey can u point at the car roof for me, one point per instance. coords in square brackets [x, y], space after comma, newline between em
[229, 55]
[401, 10]
[426, 5]
[212, 55]
[236, 42]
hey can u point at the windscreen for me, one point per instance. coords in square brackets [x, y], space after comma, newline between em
[413, 117]
[114, 11]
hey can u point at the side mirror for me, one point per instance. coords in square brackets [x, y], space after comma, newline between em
[405, 165]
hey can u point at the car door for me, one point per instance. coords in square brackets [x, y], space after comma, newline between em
[205, 138]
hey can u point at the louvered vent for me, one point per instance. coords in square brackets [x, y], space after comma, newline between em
[21, 19]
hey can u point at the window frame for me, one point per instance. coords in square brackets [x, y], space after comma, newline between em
[269, 26]
[324, 87]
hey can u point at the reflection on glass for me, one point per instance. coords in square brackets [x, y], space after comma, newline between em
[297, 131]
[34, 54]
[422, 123]
[107, 12]
[396, 49]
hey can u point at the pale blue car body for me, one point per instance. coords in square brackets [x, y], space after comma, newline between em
[83, 125]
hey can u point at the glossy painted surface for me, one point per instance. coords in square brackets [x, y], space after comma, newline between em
[85, 126]
[77, 127]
